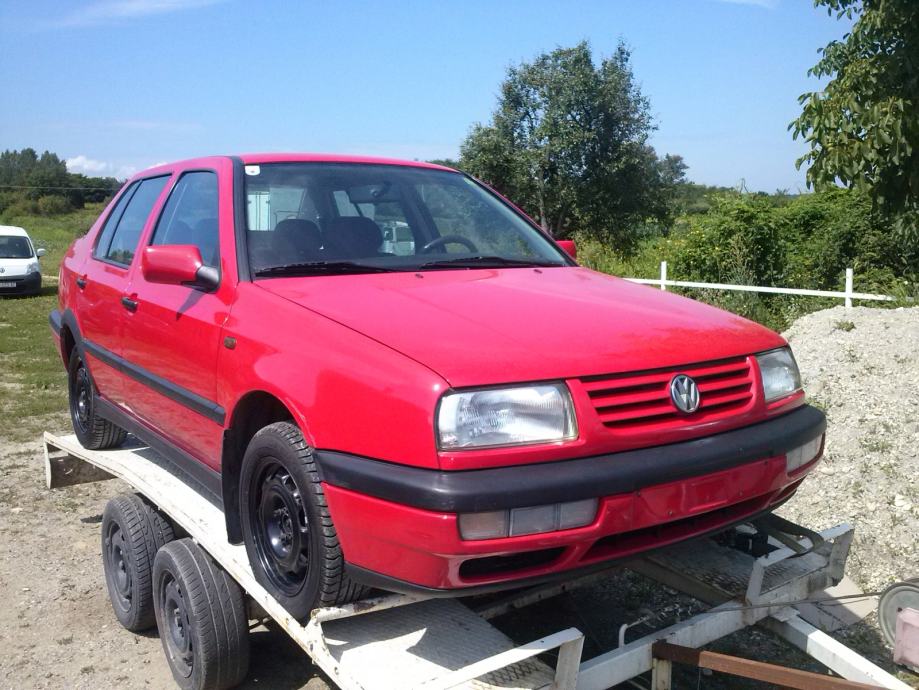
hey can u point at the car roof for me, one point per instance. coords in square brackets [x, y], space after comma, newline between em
[13, 230]
[256, 158]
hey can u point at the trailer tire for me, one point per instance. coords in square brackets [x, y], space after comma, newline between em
[133, 530]
[287, 529]
[93, 432]
[201, 617]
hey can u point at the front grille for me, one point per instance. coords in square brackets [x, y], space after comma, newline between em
[635, 400]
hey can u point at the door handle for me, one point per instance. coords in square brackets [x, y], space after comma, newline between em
[81, 282]
[129, 304]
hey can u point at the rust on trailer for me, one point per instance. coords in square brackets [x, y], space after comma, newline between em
[755, 670]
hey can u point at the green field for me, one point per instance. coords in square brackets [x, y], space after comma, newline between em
[33, 380]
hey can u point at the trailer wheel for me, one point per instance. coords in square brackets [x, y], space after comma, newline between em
[290, 539]
[132, 532]
[93, 432]
[201, 617]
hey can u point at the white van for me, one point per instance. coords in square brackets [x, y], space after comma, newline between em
[20, 270]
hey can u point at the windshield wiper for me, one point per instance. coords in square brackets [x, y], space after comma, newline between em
[486, 262]
[308, 268]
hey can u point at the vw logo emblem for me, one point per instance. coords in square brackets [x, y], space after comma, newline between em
[685, 393]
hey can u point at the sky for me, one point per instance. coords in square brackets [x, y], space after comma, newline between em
[114, 86]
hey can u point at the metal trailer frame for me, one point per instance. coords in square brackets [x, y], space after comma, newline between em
[399, 641]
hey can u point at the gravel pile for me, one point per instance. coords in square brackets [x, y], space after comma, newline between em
[861, 366]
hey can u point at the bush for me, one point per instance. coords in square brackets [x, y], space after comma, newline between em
[753, 239]
[53, 205]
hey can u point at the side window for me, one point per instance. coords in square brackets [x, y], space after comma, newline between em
[131, 225]
[105, 236]
[190, 216]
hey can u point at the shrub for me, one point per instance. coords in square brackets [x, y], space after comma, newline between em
[53, 205]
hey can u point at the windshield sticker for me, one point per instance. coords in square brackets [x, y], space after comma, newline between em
[253, 170]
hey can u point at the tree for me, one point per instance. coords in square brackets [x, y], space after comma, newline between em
[568, 143]
[863, 128]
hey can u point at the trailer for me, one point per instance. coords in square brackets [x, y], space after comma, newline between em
[402, 641]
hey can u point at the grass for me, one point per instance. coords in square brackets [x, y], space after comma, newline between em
[33, 382]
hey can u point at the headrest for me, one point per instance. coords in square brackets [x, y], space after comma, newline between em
[299, 238]
[354, 236]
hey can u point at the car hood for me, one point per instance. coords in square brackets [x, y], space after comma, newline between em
[481, 327]
[14, 267]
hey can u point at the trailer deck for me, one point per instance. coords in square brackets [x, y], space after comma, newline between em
[401, 641]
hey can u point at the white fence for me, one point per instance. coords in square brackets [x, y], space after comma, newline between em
[848, 294]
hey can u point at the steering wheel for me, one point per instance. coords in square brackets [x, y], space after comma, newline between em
[448, 239]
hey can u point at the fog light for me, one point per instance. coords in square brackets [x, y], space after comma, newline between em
[530, 520]
[533, 520]
[483, 525]
[800, 456]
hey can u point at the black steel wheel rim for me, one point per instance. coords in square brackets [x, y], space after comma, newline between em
[81, 398]
[281, 527]
[118, 568]
[177, 631]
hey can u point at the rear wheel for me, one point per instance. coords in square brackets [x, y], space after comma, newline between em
[93, 432]
[133, 530]
[201, 618]
[288, 531]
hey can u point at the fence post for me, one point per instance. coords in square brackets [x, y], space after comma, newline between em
[663, 275]
[849, 290]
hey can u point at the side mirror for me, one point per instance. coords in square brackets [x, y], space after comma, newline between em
[40, 252]
[569, 247]
[177, 264]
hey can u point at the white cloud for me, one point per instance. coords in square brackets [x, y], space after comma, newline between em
[767, 4]
[96, 168]
[107, 11]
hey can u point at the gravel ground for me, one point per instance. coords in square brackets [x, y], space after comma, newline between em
[861, 366]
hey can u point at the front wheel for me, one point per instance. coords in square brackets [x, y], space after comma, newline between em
[93, 432]
[290, 539]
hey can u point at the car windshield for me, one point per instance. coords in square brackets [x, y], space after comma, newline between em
[327, 218]
[15, 247]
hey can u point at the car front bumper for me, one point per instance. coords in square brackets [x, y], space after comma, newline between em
[20, 285]
[398, 525]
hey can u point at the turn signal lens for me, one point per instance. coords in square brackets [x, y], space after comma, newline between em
[800, 456]
[530, 520]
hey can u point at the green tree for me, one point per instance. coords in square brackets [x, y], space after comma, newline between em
[568, 142]
[863, 127]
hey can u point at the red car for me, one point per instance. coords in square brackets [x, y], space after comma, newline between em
[388, 376]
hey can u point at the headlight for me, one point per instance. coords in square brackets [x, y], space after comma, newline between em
[33, 267]
[506, 417]
[779, 372]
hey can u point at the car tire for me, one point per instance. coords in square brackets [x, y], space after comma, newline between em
[93, 432]
[133, 531]
[201, 617]
[289, 535]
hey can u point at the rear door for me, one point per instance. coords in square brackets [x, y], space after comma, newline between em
[104, 279]
[174, 335]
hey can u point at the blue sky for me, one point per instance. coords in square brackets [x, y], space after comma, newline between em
[117, 85]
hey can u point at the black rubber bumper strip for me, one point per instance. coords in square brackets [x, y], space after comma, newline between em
[54, 318]
[183, 396]
[569, 480]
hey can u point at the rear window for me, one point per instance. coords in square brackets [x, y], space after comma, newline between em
[130, 225]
